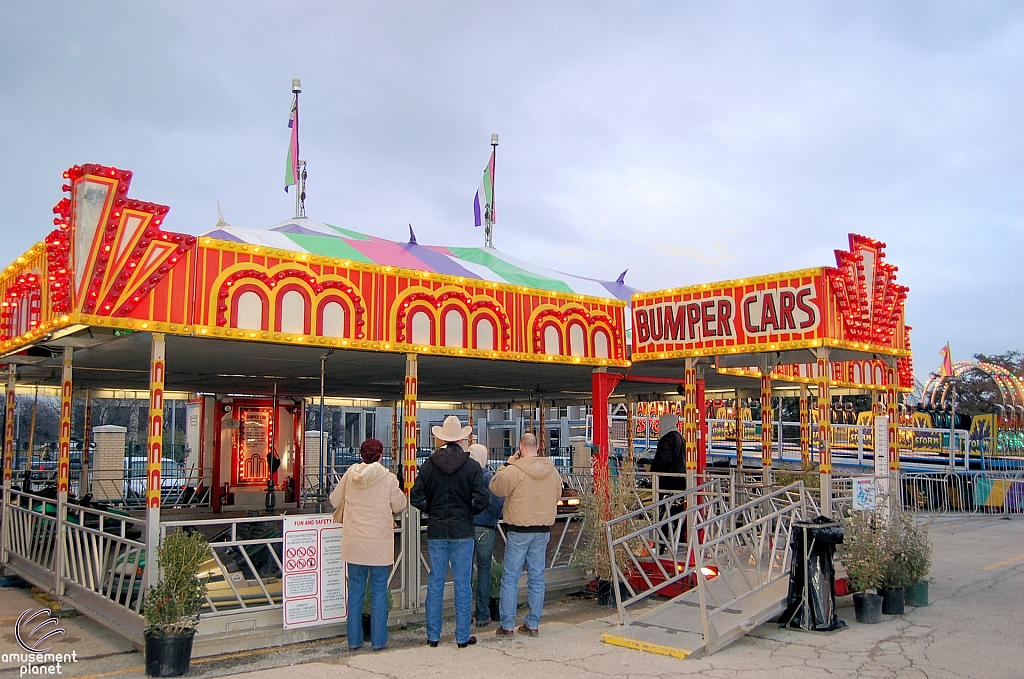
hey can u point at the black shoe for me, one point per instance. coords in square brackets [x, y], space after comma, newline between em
[433, 644]
[469, 642]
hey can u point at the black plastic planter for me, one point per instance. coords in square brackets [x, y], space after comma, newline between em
[168, 656]
[867, 607]
[606, 595]
[893, 601]
[493, 607]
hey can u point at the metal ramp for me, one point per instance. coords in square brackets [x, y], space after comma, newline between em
[739, 559]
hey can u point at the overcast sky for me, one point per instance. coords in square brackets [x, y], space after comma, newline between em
[687, 142]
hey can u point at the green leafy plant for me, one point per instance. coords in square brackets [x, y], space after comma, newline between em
[808, 474]
[596, 509]
[863, 552]
[368, 601]
[497, 570]
[172, 606]
[908, 552]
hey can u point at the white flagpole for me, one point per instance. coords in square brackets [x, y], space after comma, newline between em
[299, 188]
[489, 209]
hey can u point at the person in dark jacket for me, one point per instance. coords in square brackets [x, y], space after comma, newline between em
[670, 456]
[485, 524]
[450, 488]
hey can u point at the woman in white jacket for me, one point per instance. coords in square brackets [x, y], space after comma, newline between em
[365, 501]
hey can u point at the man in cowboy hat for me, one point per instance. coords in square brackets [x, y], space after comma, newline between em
[450, 488]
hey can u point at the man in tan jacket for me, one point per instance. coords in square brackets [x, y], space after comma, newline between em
[531, 487]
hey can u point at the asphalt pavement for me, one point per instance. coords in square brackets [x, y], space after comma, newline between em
[971, 629]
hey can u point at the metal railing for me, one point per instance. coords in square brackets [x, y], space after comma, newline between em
[980, 492]
[741, 553]
[179, 487]
[30, 532]
[650, 549]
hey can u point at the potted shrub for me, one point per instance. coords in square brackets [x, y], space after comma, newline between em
[863, 555]
[172, 607]
[497, 570]
[595, 509]
[919, 560]
[367, 605]
[908, 557]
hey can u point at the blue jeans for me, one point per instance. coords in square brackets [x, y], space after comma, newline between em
[484, 551]
[531, 549]
[458, 553]
[378, 576]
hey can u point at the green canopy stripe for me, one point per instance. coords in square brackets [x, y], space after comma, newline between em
[328, 247]
[510, 272]
[354, 235]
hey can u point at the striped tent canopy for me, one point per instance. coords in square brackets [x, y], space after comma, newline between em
[488, 264]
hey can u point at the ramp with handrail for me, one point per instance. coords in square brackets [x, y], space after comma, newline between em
[737, 560]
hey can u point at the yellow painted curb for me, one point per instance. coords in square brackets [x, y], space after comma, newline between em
[645, 646]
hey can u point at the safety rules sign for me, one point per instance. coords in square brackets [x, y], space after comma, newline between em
[314, 574]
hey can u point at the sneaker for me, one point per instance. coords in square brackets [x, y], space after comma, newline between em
[502, 632]
[469, 642]
[433, 644]
[528, 631]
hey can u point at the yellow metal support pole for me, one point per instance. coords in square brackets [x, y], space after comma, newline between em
[85, 480]
[12, 378]
[154, 454]
[766, 427]
[630, 407]
[396, 451]
[823, 377]
[409, 421]
[31, 439]
[63, 466]
[892, 405]
[805, 428]
[739, 431]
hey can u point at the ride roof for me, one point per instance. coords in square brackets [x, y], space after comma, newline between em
[487, 264]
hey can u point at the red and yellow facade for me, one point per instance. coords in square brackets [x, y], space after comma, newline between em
[111, 264]
[855, 306]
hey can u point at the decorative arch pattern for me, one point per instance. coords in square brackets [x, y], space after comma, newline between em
[440, 304]
[316, 293]
[564, 319]
[21, 309]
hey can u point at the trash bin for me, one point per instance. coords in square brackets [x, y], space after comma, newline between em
[811, 604]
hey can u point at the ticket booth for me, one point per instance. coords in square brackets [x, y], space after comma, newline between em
[253, 444]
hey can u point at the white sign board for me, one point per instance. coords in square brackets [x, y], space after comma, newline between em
[314, 585]
[864, 494]
[881, 440]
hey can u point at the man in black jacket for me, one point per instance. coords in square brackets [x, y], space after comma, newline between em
[450, 488]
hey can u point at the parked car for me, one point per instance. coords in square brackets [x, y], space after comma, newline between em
[172, 476]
